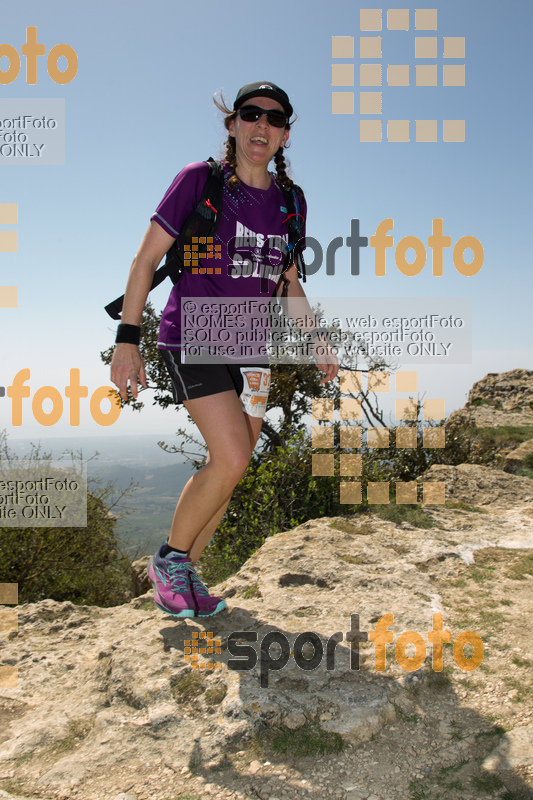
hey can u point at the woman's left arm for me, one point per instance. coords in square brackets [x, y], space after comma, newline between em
[327, 361]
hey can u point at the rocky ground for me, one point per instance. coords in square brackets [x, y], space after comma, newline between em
[107, 706]
[498, 399]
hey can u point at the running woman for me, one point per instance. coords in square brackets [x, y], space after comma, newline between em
[226, 400]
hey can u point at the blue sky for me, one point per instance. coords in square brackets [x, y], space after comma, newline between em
[140, 108]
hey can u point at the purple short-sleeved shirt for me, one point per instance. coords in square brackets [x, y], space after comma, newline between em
[249, 216]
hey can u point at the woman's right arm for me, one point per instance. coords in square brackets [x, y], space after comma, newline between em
[127, 363]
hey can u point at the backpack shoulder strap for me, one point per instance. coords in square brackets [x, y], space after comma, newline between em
[294, 199]
[202, 222]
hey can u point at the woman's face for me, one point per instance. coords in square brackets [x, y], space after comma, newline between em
[257, 142]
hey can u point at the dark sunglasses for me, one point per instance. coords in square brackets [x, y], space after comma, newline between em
[252, 113]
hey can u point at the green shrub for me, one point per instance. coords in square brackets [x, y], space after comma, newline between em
[277, 493]
[82, 565]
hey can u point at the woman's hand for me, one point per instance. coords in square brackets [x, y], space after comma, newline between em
[326, 361]
[127, 365]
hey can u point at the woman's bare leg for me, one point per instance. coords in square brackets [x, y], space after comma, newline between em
[203, 538]
[230, 435]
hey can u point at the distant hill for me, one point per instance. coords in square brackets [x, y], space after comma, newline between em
[152, 503]
[160, 477]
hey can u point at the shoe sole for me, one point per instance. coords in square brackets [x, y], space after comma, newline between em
[220, 607]
[188, 612]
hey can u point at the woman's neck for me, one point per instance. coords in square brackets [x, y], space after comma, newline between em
[258, 177]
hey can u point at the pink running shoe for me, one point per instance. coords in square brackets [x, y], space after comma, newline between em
[178, 590]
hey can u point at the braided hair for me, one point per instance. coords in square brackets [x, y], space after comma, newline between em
[230, 157]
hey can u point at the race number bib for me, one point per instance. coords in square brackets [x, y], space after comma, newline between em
[256, 383]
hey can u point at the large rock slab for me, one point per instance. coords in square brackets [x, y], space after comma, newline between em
[517, 458]
[98, 687]
[480, 486]
[504, 398]
[514, 750]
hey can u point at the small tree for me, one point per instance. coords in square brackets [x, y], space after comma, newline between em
[83, 565]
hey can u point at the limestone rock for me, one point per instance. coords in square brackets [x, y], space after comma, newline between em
[141, 581]
[499, 399]
[481, 486]
[114, 682]
[514, 750]
[99, 687]
[515, 460]
[7, 796]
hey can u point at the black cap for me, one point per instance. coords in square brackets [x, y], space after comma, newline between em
[263, 89]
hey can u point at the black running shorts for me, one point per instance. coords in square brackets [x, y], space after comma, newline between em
[191, 381]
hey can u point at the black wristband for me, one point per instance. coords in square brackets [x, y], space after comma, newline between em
[128, 334]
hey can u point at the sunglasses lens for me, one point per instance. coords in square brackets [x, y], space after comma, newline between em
[277, 119]
[252, 113]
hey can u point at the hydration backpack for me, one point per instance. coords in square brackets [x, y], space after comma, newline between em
[203, 222]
